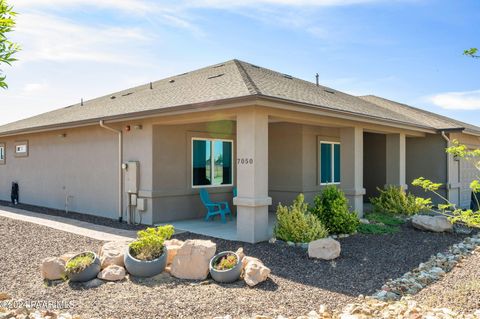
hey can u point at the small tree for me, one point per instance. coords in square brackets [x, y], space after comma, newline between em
[7, 48]
[472, 52]
[468, 216]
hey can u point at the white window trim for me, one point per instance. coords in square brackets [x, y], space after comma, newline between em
[333, 162]
[212, 162]
[3, 155]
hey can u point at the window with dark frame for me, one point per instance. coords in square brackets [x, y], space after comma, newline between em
[212, 162]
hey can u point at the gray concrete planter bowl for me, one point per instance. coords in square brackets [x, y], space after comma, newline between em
[142, 268]
[225, 276]
[88, 273]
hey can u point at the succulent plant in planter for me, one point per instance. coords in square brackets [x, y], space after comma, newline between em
[147, 256]
[83, 267]
[226, 267]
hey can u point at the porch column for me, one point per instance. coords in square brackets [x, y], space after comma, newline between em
[351, 166]
[252, 199]
[396, 160]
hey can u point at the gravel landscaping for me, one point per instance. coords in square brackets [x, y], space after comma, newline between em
[98, 220]
[460, 289]
[296, 286]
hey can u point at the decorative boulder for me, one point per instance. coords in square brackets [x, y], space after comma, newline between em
[432, 223]
[240, 253]
[326, 249]
[192, 259]
[112, 273]
[53, 268]
[172, 245]
[254, 271]
[113, 253]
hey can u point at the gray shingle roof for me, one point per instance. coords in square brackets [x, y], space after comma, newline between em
[224, 81]
[434, 120]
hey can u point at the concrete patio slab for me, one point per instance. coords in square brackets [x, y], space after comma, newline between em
[215, 228]
[94, 231]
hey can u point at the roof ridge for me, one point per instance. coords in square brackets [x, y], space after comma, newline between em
[251, 86]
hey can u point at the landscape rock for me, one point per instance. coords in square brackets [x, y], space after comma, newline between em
[172, 245]
[193, 259]
[112, 273]
[255, 271]
[432, 223]
[326, 249]
[112, 253]
[53, 268]
[94, 283]
[240, 253]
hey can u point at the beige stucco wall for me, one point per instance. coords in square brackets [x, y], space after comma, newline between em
[173, 196]
[293, 160]
[426, 158]
[82, 164]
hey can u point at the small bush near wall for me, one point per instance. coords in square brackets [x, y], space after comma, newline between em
[394, 200]
[296, 224]
[331, 207]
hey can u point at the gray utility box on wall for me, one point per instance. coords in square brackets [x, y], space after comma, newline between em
[132, 175]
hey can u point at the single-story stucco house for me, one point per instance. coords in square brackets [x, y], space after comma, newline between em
[146, 151]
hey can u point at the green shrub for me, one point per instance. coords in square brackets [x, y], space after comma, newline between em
[394, 200]
[331, 207]
[79, 263]
[149, 243]
[375, 229]
[226, 262]
[295, 223]
[389, 220]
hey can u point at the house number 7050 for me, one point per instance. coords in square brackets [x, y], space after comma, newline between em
[245, 161]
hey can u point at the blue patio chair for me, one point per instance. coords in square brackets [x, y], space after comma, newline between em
[214, 208]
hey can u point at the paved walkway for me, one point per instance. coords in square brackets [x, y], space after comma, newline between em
[215, 228]
[74, 226]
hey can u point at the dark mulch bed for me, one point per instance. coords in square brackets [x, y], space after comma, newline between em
[297, 284]
[74, 215]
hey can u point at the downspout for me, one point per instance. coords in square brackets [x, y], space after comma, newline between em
[447, 185]
[120, 162]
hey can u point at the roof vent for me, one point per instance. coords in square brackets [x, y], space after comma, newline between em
[218, 66]
[329, 91]
[171, 81]
[288, 76]
[112, 97]
[126, 94]
[216, 76]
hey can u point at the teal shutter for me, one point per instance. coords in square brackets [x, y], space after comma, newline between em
[336, 163]
[325, 163]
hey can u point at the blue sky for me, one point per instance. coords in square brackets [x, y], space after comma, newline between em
[406, 50]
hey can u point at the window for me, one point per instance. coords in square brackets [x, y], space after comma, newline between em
[212, 162]
[329, 163]
[2, 153]
[21, 149]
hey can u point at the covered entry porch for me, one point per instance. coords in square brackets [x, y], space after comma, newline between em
[276, 154]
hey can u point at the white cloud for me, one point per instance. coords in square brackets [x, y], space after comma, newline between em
[34, 88]
[296, 3]
[467, 100]
[50, 38]
[128, 6]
